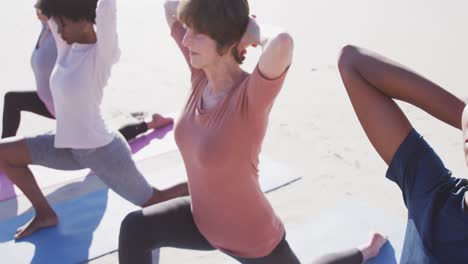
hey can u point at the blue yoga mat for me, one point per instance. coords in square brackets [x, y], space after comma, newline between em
[89, 225]
[84, 225]
[346, 226]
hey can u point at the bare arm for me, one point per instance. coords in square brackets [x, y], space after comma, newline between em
[176, 28]
[170, 8]
[277, 45]
[267, 79]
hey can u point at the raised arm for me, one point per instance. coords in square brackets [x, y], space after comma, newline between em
[177, 30]
[170, 8]
[267, 79]
[277, 45]
[106, 31]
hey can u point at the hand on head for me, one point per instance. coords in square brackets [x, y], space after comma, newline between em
[39, 14]
[250, 38]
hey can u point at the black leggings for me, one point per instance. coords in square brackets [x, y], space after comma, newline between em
[170, 224]
[29, 101]
[352, 256]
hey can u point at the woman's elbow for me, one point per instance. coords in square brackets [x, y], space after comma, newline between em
[285, 42]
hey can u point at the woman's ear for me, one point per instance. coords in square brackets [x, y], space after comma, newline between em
[238, 52]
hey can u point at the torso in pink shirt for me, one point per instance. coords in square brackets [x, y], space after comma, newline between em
[220, 148]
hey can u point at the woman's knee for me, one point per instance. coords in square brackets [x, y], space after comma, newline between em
[13, 153]
[5, 162]
[348, 57]
[10, 100]
[130, 226]
[139, 233]
[11, 96]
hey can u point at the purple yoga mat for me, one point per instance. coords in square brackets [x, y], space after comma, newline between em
[7, 190]
[139, 143]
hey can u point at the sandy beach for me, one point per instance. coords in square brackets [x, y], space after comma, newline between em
[313, 129]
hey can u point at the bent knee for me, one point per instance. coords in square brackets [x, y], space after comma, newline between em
[131, 225]
[10, 98]
[348, 57]
[13, 153]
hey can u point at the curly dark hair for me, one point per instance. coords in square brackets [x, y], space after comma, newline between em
[225, 21]
[75, 10]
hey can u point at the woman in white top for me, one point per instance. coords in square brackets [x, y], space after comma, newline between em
[85, 56]
[40, 101]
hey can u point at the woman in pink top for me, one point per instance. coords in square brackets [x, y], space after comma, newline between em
[220, 134]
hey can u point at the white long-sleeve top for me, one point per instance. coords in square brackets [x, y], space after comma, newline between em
[78, 80]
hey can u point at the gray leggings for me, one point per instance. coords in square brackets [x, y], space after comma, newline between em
[112, 163]
[170, 224]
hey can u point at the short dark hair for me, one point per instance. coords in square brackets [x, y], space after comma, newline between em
[225, 21]
[75, 10]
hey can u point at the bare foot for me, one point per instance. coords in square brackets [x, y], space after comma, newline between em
[159, 121]
[37, 223]
[372, 249]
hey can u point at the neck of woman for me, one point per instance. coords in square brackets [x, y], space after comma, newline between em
[88, 36]
[222, 77]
